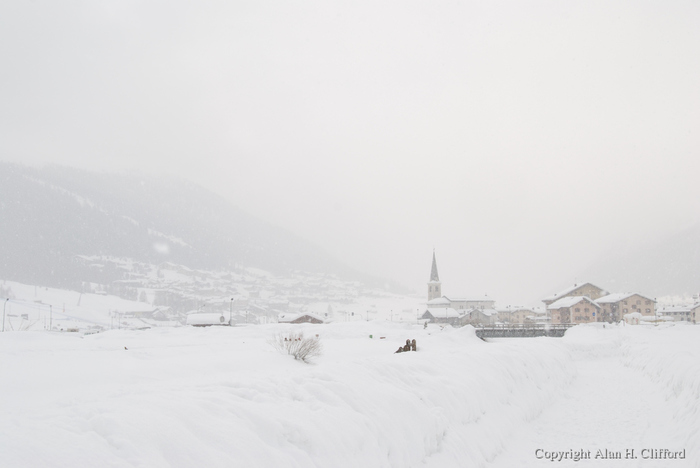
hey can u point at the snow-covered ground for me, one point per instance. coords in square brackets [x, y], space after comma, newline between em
[182, 397]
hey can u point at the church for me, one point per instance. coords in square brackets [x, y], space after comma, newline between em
[455, 310]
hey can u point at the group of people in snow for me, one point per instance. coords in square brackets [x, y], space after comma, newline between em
[409, 346]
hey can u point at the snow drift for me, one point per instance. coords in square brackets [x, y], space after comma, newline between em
[224, 397]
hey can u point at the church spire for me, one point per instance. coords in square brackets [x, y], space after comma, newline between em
[433, 272]
[434, 286]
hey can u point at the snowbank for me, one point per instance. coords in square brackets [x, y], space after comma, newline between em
[222, 396]
[669, 355]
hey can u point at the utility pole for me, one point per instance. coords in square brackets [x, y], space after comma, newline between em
[3, 314]
[230, 314]
[50, 317]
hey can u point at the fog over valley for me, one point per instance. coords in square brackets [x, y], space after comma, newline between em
[395, 234]
[526, 144]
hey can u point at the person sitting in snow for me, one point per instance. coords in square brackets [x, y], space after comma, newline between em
[407, 346]
[400, 350]
[413, 344]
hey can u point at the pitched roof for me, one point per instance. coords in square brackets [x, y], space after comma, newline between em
[617, 297]
[569, 301]
[566, 291]
[486, 312]
[443, 312]
[484, 298]
[439, 301]
[433, 271]
[287, 317]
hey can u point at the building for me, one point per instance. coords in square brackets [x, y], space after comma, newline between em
[615, 306]
[682, 313]
[463, 304]
[588, 290]
[479, 316]
[445, 315]
[517, 315]
[207, 320]
[299, 318]
[434, 285]
[573, 309]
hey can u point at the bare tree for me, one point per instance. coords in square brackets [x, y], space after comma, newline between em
[295, 344]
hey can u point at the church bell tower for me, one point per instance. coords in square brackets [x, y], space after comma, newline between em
[434, 285]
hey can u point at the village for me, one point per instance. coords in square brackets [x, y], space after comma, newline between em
[578, 304]
[169, 295]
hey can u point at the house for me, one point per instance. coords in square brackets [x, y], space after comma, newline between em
[682, 313]
[516, 315]
[615, 306]
[479, 316]
[573, 309]
[583, 289]
[445, 315]
[306, 317]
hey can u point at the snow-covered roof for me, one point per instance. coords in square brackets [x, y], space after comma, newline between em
[287, 317]
[446, 312]
[679, 308]
[566, 291]
[206, 319]
[439, 300]
[487, 312]
[675, 310]
[617, 297]
[569, 301]
[483, 298]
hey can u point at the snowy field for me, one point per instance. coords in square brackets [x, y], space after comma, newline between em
[224, 397]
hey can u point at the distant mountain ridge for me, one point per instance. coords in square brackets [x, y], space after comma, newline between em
[668, 266]
[52, 215]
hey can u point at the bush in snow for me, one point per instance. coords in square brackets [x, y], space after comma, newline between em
[296, 345]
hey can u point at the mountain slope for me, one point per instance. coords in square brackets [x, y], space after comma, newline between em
[51, 215]
[669, 266]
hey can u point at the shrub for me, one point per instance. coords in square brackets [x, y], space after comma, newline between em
[295, 344]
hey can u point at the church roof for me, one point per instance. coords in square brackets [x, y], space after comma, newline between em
[439, 301]
[433, 272]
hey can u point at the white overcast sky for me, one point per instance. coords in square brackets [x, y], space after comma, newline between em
[522, 140]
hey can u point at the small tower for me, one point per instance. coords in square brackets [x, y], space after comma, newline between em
[434, 285]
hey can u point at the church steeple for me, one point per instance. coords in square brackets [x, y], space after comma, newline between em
[434, 285]
[433, 272]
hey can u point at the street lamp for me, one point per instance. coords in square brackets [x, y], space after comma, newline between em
[230, 314]
[3, 314]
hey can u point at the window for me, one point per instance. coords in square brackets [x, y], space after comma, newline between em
[625, 302]
[648, 311]
[585, 310]
[577, 309]
[624, 311]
